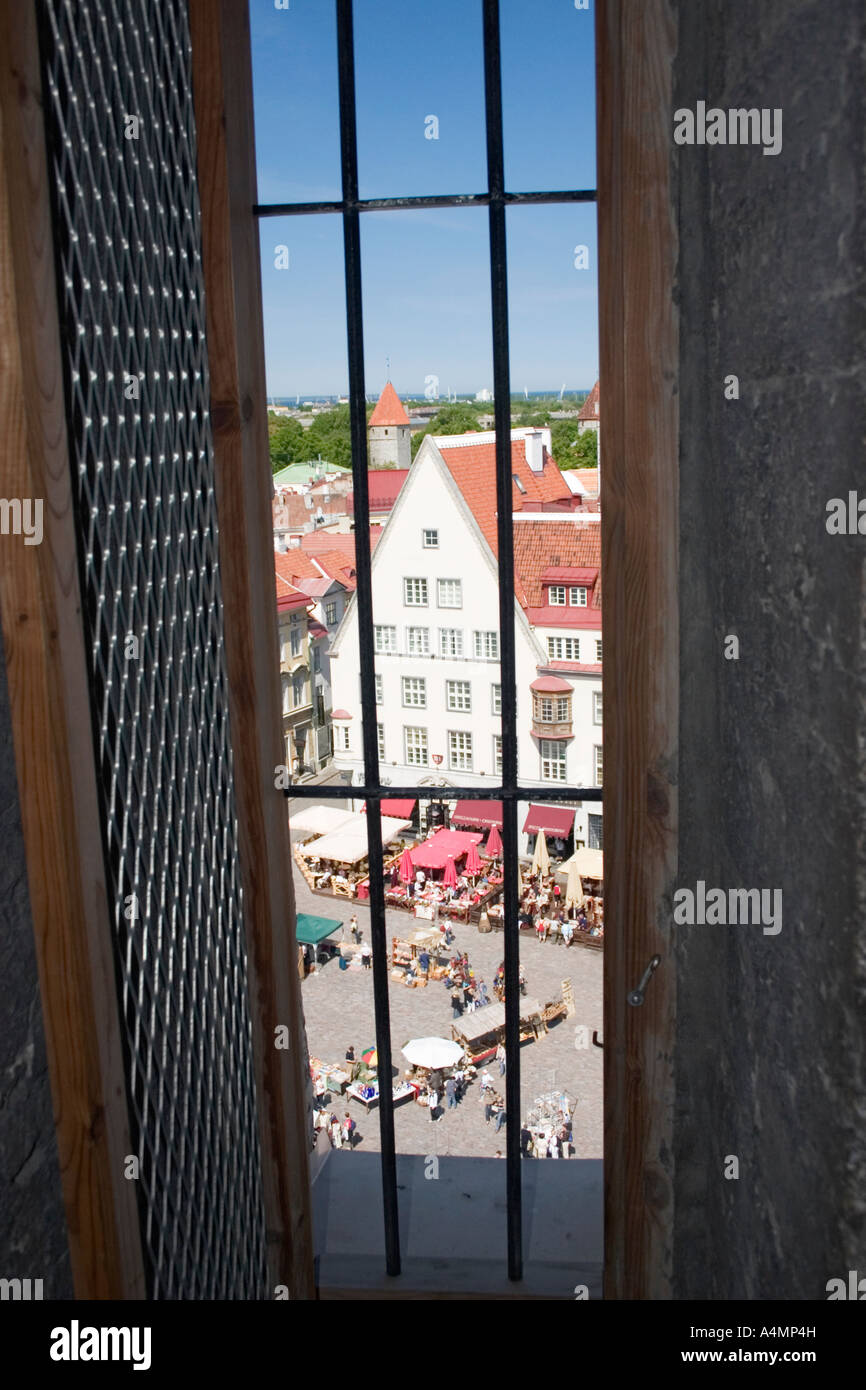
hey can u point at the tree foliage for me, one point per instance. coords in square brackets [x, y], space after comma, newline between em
[572, 449]
[459, 418]
[286, 441]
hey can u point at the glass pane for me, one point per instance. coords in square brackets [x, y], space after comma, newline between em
[295, 93]
[420, 98]
[548, 86]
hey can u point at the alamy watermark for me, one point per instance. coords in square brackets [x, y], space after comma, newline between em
[22, 516]
[736, 126]
[729, 907]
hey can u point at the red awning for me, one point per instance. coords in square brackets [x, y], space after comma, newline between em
[401, 809]
[486, 813]
[553, 820]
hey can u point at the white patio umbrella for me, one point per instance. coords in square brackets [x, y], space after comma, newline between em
[574, 886]
[540, 856]
[432, 1052]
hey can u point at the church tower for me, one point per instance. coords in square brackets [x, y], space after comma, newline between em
[388, 433]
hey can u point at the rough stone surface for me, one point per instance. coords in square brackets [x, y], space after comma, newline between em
[772, 281]
[32, 1221]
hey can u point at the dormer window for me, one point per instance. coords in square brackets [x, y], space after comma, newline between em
[556, 593]
[577, 596]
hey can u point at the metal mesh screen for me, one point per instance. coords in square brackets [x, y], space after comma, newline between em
[127, 240]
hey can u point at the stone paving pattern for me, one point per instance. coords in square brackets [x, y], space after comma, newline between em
[338, 1008]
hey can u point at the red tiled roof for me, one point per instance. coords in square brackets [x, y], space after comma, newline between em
[316, 541]
[288, 597]
[550, 685]
[383, 488]
[589, 409]
[389, 409]
[546, 544]
[573, 574]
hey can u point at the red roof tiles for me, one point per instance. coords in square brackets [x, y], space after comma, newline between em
[589, 409]
[389, 409]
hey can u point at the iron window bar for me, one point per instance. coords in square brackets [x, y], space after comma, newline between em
[350, 206]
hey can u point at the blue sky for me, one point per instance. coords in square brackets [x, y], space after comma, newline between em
[426, 273]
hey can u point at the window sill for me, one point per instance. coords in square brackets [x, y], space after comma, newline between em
[445, 1254]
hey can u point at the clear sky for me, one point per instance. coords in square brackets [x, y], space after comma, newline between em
[426, 273]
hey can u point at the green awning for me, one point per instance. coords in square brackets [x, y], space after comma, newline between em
[312, 930]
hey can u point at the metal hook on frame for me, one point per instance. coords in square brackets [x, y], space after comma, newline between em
[636, 996]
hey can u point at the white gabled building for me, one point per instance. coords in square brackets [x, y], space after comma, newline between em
[436, 617]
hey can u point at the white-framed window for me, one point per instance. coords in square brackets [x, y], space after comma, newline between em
[299, 689]
[459, 751]
[598, 756]
[486, 645]
[552, 760]
[459, 695]
[430, 539]
[415, 742]
[563, 709]
[380, 736]
[379, 695]
[343, 738]
[563, 648]
[597, 707]
[450, 641]
[295, 637]
[497, 754]
[496, 699]
[287, 694]
[414, 691]
[385, 639]
[577, 596]
[449, 593]
[556, 593]
[546, 709]
[330, 614]
[418, 641]
[598, 649]
[415, 593]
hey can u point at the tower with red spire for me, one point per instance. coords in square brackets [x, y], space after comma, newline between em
[389, 433]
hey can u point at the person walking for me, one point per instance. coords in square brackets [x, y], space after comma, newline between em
[456, 1003]
[348, 1130]
[499, 1112]
[424, 960]
[486, 1081]
[500, 1057]
[320, 1091]
[354, 928]
[487, 1100]
[367, 954]
[433, 1102]
[451, 1093]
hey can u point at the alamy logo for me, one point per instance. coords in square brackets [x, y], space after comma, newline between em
[75, 1343]
[737, 126]
[716, 907]
[856, 1288]
[22, 517]
[20, 1289]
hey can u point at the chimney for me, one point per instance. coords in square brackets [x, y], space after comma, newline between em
[534, 451]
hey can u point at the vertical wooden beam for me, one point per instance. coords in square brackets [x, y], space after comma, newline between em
[40, 606]
[638, 394]
[222, 85]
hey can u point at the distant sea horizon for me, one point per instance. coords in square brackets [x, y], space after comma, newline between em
[420, 398]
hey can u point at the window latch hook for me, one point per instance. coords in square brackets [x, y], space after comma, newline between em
[636, 996]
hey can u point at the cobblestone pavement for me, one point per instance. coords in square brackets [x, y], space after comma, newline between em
[338, 1007]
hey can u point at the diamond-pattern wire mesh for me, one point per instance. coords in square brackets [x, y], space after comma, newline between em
[127, 233]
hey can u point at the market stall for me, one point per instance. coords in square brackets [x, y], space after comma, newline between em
[367, 1093]
[548, 1126]
[312, 932]
[405, 964]
[480, 1033]
[336, 862]
[444, 874]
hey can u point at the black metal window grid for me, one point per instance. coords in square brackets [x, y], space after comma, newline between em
[127, 245]
[496, 198]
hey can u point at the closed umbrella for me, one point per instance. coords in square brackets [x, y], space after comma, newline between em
[541, 858]
[573, 887]
[450, 879]
[494, 844]
[432, 1052]
[407, 868]
[473, 862]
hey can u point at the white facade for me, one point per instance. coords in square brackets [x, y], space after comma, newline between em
[436, 613]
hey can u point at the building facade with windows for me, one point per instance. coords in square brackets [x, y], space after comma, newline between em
[436, 632]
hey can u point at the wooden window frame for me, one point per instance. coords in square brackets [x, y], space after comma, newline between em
[47, 675]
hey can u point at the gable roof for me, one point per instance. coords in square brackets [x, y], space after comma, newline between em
[389, 409]
[473, 468]
[383, 488]
[589, 409]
